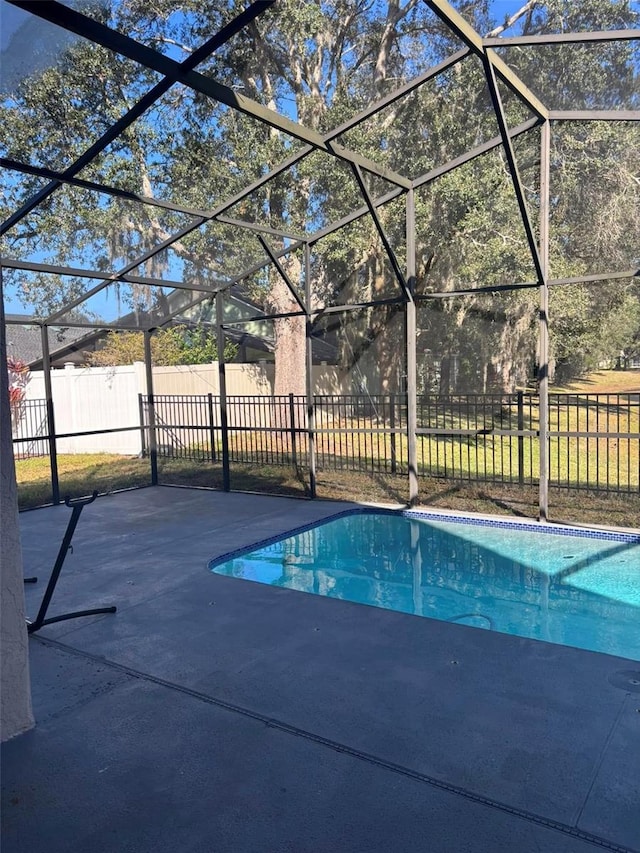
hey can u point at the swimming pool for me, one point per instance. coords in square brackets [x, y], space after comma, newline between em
[562, 585]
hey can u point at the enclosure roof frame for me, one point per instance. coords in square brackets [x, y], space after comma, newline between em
[496, 68]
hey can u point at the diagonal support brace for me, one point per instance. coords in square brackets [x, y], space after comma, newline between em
[281, 270]
[397, 269]
[513, 167]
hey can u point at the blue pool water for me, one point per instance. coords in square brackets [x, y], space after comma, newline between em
[569, 587]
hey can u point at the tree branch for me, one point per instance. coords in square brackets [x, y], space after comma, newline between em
[524, 10]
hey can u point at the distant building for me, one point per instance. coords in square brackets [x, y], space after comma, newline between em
[24, 343]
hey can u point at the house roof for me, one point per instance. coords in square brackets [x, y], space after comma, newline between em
[24, 341]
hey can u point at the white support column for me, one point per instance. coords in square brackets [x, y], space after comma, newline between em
[16, 715]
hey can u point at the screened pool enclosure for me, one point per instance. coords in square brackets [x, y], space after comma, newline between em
[397, 226]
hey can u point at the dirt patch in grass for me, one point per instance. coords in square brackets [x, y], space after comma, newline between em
[81, 474]
[78, 476]
[274, 480]
[565, 506]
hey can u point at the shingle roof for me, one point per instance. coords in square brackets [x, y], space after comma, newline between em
[24, 341]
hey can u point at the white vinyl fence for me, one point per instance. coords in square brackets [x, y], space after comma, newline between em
[86, 399]
[94, 398]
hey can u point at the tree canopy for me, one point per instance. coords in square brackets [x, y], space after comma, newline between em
[172, 346]
[320, 63]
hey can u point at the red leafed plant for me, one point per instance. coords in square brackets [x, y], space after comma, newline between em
[19, 375]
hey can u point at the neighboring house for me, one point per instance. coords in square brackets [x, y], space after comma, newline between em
[254, 340]
[66, 345]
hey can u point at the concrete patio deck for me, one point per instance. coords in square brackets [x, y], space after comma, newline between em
[213, 714]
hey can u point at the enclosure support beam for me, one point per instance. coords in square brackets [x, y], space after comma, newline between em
[487, 146]
[411, 347]
[333, 309]
[311, 415]
[256, 227]
[227, 32]
[543, 402]
[538, 253]
[478, 151]
[594, 115]
[256, 318]
[92, 186]
[592, 278]
[380, 229]
[123, 274]
[106, 189]
[130, 266]
[151, 407]
[513, 166]
[222, 381]
[281, 271]
[202, 297]
[108, 278]
[318, 313]
[75, 22]
[370, 111]
[51, 421]
[562, 38]
[453, 19]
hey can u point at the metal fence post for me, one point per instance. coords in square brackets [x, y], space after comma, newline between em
[143, 437]
[212, 430]
[292, 422]
[520, 438]
[392, 424]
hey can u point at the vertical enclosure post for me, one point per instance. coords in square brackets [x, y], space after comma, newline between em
[411, 346]
[309, 373]
[51, 422]
[151, 408]
[222, 378]
[543, 368]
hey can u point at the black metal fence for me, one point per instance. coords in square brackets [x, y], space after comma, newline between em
[30, 429]
[479, 437]
[594, 439]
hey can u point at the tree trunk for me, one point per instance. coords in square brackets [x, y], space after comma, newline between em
[290, 356]
[289, 351]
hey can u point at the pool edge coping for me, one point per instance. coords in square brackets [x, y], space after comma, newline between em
[546, 528]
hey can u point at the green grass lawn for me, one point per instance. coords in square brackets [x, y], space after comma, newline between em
[79, 475]
[603, 382]
[444, 462]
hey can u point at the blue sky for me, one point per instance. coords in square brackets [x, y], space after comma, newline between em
[52, 39]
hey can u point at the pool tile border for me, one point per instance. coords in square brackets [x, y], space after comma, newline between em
[536, 527]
